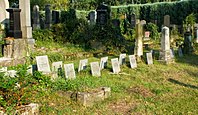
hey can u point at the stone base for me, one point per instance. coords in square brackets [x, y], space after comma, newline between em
[5, 62]
[170, 61]
[19, 48]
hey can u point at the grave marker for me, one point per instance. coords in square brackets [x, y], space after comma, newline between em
[103, 62]
[95, 69]
[180, 52]
[57, 66]
[172, 53]
[115, 65]
[149, 58]
[43, 64]
[36, 19]
[83, 65]
[122, 59]
[132, 60]
[69, 71]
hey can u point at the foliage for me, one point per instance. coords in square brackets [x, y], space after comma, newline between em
[43, 35]
[153, 30]
[189, 22]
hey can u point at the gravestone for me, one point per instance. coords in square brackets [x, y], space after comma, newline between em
[95, 69]
[165, 55]
[103, 14]
[180, 52]
[83, 65]
[146, 35]
[69, 71]
[32, 69]
[4, 4]
[167, 20]
[187, 49]
[149, 58]
[43, 64]
[122, 59]
[196, 39]
[36, 17]
[15, 24]
[55, 16]
[133, 21]
[115, 65]
[57, 66]
[139, 41]
[47, 16]
[92, 17]
[172, 53]
[103, 62]
[132, 61]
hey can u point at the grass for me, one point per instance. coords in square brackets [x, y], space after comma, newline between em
[153, 89]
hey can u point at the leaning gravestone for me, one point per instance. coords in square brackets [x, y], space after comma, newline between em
[4, 4]
[132, 60]
[149, 58]
[95, 69]
[103, 62]
[83, 65]
[69, 71]
[115, 65]
[122, 59]
[57, 66]
[43, 64]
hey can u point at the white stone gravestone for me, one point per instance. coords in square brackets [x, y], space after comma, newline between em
[172, 53]
[69, 71]
[103, 62]
[122, 59]
[56, 66]
[83, 65]
[95, 69]
[115, 65]
[149, 58]
[4, 15]
[132, 60]
[43, 64]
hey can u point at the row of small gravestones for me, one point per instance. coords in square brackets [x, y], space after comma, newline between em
[96, 67]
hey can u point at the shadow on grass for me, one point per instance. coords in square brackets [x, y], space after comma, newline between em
[191, 59]
[182, 84]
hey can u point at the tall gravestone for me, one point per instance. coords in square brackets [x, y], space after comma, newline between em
[167, 20]
[36, 19]
[55, 16]
[103, 14]
[47, 16]
[187, 49]
[139, 41]
[4, 4]
[165, 54]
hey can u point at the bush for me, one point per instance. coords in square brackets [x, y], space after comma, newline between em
[153, 30]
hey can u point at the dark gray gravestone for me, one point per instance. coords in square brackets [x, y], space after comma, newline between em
[95, 69]
[133, 21]
[149, 58]
[115, 65]
[69, 71]
[47, 16]
[15, 24]
[122, 59]
[83, 65]
[103, 14]
[187, 49]
[132, 61]
[55, 17]
[103, 62]
[36, 19]
[92, 17]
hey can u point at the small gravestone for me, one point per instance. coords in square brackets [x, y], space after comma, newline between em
[95, 69]
[69, 71]
[57, 66]
[187, 49]
[43, 64]
[132, 60]
[146, 35]
[172, 53]
[92, 17]
[32, 69]
[133, 21]
[103, 62]
[149, 58]
[55, 17]
[115, 65]
[83, 65]
[47, 16]
[36, 19]
[122, 59]
[180, 52]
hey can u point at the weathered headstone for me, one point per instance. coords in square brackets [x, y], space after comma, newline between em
[15, 24]
[103, 62]
[95, 69]
[187, 49]
[115, 65]
[167, 20]
[165, 46]
[149, 58]
[36, 17]
[83, 65]
[132, 61]
[180, 52]
[133, 21]
[43, 64]
[139, 41]
[103, 14]
[55, 16]
[172, 53]
[92, 17]
[47, 16]
[69, 71]
[122, 59]
[57, 66]
[4, 4]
